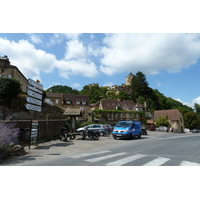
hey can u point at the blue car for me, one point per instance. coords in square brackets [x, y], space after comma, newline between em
[127, 129]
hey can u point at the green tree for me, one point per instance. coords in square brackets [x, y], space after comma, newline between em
[191, 120]
[9, 88]
[162, 121]
[140, 86]
[95, 92]
[62, 89]
[197, 108]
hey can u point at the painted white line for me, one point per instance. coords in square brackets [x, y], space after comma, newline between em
[186, 163]
[125, 160]
[106, 157]
[157, 162]
[88, 154]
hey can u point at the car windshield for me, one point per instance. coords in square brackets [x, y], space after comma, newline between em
[124, 124]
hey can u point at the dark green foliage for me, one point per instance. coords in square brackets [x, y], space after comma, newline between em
[191, 120]
[62, 89]
[140, 86]
[95, 92]
[9, 88]
[197, 108]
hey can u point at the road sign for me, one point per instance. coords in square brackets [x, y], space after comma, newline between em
[35, 84]
[34, 89]
[33, 107]
[34, 101]
[34, 94]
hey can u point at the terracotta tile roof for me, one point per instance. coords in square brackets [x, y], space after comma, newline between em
[173, 115]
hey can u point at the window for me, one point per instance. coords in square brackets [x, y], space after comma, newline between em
[78, 102]
[68, 102]
[84, 103]
[57, 101]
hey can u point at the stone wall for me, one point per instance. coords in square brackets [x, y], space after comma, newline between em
[51, 119]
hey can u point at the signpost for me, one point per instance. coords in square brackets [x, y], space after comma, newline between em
[34, 103]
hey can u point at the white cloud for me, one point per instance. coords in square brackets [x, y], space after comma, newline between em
[75, 50]
[197, 100]
[72, 36]
[149, 53]
[109, 84]
[29, 60]
[77, 67]
[35, 38]
[75, 85]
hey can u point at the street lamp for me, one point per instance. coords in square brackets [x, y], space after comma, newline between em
[4, 63]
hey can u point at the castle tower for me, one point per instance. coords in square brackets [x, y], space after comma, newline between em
[129, 78]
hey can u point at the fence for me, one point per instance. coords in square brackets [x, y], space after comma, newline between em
[48, 129]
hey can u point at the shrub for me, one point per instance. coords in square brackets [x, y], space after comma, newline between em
[9, 87]
[8, 138]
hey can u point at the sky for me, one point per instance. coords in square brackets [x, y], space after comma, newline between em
[170, 61]
[102, 43]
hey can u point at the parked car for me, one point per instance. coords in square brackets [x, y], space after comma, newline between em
[151, 128]
[93, 127]
[196, 130]
[162, 128]
[109, 127]
[186, 130]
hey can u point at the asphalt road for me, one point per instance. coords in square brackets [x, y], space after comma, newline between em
[154, 149]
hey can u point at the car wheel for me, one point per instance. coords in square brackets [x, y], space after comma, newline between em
[101, 133]
[81, 132]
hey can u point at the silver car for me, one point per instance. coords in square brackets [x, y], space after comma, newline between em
[162, 128]
[93, 127]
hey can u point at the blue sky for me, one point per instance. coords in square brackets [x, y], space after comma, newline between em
[169, 61]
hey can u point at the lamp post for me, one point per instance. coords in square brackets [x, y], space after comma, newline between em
[4, 63]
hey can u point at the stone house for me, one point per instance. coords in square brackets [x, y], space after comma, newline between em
[70, 101]
[13, 72]
[175, 118]
[127, 110]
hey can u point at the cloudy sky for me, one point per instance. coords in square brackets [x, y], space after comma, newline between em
[169, 61]
[77, 45]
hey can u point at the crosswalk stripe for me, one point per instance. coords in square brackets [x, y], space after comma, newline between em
[157, 162]
[89, 154]
[125, 160]
[106, 157]
[186, 163]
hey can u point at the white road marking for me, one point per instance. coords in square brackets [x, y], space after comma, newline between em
[88, 154]
[186, 163]
[106, 157]
[157, 162]
[125, 160]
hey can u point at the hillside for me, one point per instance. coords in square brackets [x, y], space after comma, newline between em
[138, 91]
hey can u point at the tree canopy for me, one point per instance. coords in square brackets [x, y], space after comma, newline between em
[62, 89]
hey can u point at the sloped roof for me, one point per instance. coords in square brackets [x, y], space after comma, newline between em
[75, 97]
[126, 105]
[73, 112]
[173, 115]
